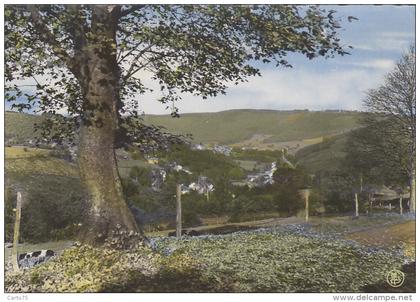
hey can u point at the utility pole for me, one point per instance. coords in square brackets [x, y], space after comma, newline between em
[16, 232]
[178, 212]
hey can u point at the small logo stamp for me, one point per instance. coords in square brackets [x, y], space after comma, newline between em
[395, 278]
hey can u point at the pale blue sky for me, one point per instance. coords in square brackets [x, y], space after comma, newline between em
[379, 37]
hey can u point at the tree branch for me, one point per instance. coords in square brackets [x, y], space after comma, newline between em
[47, 37]
[141, 52]
[131, 10]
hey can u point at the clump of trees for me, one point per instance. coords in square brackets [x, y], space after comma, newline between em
[383, 150]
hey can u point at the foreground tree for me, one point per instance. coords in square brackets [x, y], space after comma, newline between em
[91, 62]
[385, 147]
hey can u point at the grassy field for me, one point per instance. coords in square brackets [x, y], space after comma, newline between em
[27, 161]
[286, 257]
[277, 261]
[19, 152]
[124, 166]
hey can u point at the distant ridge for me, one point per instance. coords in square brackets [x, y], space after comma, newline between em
[274, 126]
[259, 110]
[239, 127]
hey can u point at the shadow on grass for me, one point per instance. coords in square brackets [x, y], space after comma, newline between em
[409, 285]
[192, 281]
[168, 281]
[227, 229]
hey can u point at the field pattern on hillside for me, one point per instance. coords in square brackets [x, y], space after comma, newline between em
[36, 161]
[233, 126]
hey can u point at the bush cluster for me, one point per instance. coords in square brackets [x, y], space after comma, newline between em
[53, 208]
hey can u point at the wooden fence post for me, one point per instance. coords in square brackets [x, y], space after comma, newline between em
[307, 205]
[178, 212]
[356, 204]
[401, 208]
[16, 231]
[305, 194]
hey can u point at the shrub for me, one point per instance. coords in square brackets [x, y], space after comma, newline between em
[52, 208]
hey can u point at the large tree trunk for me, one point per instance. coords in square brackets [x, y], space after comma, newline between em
[99, 175]
[97, 162]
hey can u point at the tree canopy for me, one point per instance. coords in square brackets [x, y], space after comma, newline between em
[196, 49]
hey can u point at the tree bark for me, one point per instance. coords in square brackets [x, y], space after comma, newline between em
[99, 174]
[97, 161]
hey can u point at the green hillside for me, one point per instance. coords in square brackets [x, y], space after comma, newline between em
[28, 168]
[324, 156]
[234, 126]
[19, 126]
[264, 128]
[28, 161]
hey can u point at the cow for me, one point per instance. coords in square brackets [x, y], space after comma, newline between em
[28, 260]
